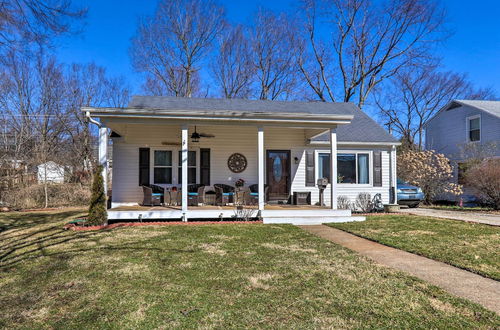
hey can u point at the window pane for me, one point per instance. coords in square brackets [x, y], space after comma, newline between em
[163, 175]
[363, 169]
[474, 135]
[324, 166]
[191, 158]
[474, 123]
[191, 175]
[163, 158]
[346, 168]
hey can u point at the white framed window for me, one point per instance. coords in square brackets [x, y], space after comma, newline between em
[474, 128]
[192, 167]
[162, 166]
[353, 167]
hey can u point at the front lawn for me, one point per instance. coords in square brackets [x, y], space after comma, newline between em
[474, 247]
[224, 276]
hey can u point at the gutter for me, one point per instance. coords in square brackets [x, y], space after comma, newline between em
[356, 143]
[92, 120]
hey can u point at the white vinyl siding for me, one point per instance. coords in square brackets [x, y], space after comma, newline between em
[227, 140]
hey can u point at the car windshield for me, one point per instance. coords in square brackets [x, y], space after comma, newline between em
[401, 181]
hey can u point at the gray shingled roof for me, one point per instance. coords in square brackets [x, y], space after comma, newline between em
[361, 129]
[184, 103]
[492, 107]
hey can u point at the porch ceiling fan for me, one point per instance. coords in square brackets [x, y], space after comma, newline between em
[195, 136]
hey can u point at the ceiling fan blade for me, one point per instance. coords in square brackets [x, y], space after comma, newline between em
[206, 135]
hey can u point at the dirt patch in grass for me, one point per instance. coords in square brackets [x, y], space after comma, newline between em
[291, 248]
[213, 248]
[259, 281]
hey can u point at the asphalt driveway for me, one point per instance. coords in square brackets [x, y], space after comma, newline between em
[477, 217]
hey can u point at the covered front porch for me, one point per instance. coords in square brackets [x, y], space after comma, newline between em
[182, 151]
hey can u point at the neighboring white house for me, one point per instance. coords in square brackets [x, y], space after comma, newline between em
[462, 128]
[50, 172]
[284, 145]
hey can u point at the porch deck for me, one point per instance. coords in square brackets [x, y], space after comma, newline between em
[274, 213]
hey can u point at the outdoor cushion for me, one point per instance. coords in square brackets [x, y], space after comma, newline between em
[254, 194]
[157, 194]
[228, 194]
[192, 194]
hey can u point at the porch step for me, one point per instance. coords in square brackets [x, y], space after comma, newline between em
[305, 213]
[310, 220]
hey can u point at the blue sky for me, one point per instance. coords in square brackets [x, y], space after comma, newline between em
[474, 48]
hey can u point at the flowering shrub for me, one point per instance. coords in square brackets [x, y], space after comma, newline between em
[429, 170]
[485, 179]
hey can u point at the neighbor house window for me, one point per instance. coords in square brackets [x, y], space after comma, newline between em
[191, 167]
[351, 168]
[474, 129]
[162, 167]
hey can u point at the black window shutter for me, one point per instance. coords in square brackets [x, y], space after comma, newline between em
[377, 169]
[205, 167]
[310, 168]
[143, 166]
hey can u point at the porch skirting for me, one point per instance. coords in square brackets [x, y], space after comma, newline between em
[284, 216]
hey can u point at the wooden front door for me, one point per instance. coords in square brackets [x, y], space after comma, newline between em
[278, 174]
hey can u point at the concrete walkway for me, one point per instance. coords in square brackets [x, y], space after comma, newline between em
[476, 288]
[477, 217]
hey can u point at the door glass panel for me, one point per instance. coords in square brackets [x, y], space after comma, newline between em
[277, 169]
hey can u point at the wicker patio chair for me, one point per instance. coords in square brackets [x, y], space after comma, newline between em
[152, 195]
[196, 194]
[254, 193]
[224, 194]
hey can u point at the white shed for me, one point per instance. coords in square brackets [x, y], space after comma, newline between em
[50, 172]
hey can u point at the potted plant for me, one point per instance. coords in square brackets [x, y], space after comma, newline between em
[239, 183]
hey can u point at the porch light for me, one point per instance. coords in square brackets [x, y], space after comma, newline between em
[195, 137]
[296, 160]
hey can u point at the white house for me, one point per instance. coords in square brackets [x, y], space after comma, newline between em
[285, 146]
[50, 172]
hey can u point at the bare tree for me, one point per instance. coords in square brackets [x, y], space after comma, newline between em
[232, 67]
[88, 85]
[365, 43]
[35, 20]
[275, 46]
[171, 46]
[414, 95]
[40, 103]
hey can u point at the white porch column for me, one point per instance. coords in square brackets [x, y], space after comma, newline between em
[260, 152]
[184, 160]
[333, 168]
[394, 176]
[103, 156]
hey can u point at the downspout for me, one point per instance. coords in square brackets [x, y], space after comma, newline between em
[92, 120]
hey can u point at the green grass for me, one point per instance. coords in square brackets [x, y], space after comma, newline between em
[474, 247]
[223, 276]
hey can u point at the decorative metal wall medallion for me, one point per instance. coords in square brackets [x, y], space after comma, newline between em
[237, 163]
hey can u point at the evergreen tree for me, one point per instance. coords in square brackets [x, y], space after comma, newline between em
[97, 208]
